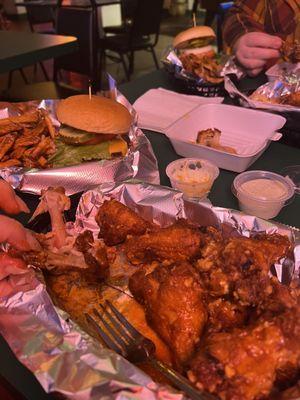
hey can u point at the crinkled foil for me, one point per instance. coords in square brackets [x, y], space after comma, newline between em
[59, 354]
[285, 84]
[139, 163]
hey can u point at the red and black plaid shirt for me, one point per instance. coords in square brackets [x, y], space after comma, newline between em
[276, 17]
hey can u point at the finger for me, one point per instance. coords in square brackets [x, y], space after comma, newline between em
[263, 40]
[22, 205]
[251, 64]
[254, 72]
[11, 266]
[9, 201]
[12, 232]
[258, 53]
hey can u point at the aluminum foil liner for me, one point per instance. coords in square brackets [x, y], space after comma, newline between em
[59, 354]
[271, 91]
[139, 163]
[281, 69]
[191, 82]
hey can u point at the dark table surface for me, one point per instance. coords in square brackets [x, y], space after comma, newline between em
[274, 159]
[20, 49]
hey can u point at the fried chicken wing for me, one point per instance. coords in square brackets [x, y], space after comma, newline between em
[245, 363]
[240, 266]
[178, 242]
[117, 221]
[172, 298]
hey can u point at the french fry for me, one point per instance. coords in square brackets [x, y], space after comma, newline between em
[27, 140]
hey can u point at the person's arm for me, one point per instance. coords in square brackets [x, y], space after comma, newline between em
[245, 16]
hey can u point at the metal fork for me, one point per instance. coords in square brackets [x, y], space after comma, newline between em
[120, 336]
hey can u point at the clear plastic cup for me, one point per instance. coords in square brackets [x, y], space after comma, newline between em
[264, 200]
[192, 176]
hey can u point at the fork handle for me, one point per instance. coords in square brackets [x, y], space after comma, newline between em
[179, 381]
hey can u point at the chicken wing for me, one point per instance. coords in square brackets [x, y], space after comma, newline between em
[117, 221]
[245, 363]
[178, 242]
[172, 298]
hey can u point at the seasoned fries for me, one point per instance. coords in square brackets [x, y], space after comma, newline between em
[206, 68]
[27, 140]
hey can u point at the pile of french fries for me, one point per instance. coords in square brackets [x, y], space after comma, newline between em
[27, 140]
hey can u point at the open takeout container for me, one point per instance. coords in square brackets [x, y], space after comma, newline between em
[249, 132]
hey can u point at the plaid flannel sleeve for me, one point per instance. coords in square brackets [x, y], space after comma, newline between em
[244, 16]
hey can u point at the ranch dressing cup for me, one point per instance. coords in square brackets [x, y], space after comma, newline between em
[262, 193]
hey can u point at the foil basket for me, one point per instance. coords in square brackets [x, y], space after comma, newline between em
[271, 91]
[139, 162]
[187, 82]
[62, 357]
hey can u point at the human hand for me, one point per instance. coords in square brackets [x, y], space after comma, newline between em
[10, 203]
[11, 231]
[255, 49]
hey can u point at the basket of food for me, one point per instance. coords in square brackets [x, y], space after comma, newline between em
[194, 280]
[77, 142]
[193, 64]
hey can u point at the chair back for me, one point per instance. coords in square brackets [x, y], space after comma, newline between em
[147, 18]
[128, 8]
[81, 23]
[39, 15]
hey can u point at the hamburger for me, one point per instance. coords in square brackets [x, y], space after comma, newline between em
[196, 40]
[91, 129]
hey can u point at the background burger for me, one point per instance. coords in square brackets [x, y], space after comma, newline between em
[196, 40]
[197, 55]
[91, 129]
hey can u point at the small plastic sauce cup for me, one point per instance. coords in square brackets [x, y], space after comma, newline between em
[192, 176]
[265, 202]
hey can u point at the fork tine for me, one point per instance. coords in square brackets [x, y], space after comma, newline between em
[106, 339]
[115, 332]
[131, 329]
[119, 327]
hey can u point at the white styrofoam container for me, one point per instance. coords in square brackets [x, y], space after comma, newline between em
[248, 131]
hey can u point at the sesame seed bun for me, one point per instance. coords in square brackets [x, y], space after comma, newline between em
[183, 39]
[98, 115]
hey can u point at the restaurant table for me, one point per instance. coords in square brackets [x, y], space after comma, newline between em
[20, 49]
[276, 157]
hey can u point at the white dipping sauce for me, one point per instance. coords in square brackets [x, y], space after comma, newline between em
[265, 189]
[262, 197]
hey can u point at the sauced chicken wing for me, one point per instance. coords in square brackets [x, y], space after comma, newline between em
[245, 363]
[240, 266]
[178, 242]
[117, 221]
[172, 298]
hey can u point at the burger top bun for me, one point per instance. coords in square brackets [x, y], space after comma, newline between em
[97, 115]
[205, 34]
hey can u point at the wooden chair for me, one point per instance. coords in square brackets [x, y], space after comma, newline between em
[142, 34]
